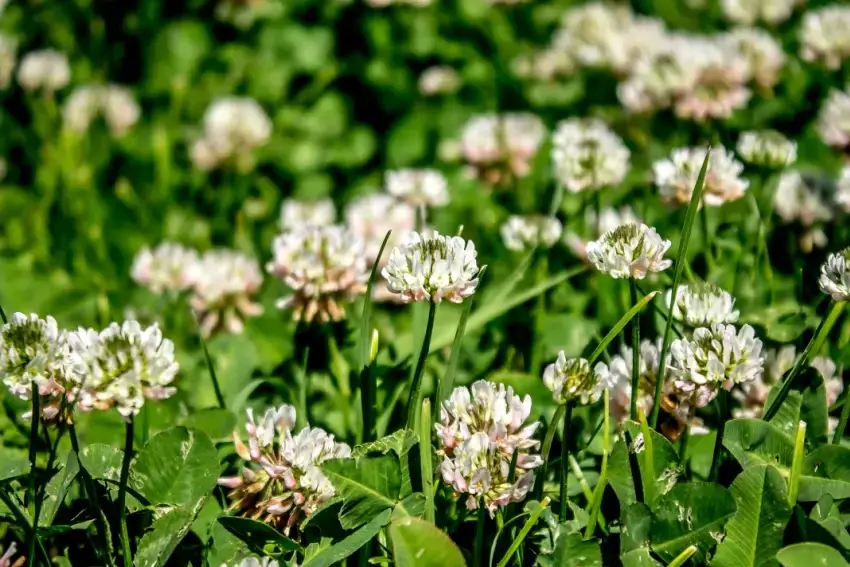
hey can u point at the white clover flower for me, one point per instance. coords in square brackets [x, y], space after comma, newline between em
[719, 356]
[45, 69]
[501, 147]
[35, 351]
[372, 216]
[253, 562]
[823, 36]
[432, 268]
[842, 189]
[8, 57]
[833, 122]
[762, 52]
[800, 198]
[767, 148]
[521, 232]
[419, 187]
[677, 176]
[439, 80]
[546, 65]
[223, 285]
[323, 266]
[165, 268]
[234, 128]
[587, 155]
[609, 219]
[295, 214]
[748, 12]
[114, 103]
[120, 109]
[629, 251]
[122, 365]
[835, 275]
[480, 429]
[572, 379]
[619, 378]
[385, 3]
[281, 482]
[703, 304]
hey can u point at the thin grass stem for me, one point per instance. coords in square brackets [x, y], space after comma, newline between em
[635, 351]
[122, 492]
[565, 467]
[413, 406]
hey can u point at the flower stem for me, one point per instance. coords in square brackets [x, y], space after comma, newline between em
[797, 464]
[413, 406]
[90, 491]
[426, 464]
[722, 411]
[122, 492]
[635, 352]
[478, 552]
[842, 422]
[683, 557]
[35, 420]
[547, 446]
[565, 466]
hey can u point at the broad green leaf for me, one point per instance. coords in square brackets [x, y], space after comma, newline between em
[226, 548]
[50, 531]
[572, 551]
[102, 461]
[826, 514]
[806, 401]
[665, 461]
[256, 534]
[620, 474]
[810, 555]
[417, 543]
[693, 513]
[218, 424]
[400, 443]
[12, 465]
[368, 486]
[160, 541]
[754, 534]
[340, 550]
[57, 489]
[176, 467]
[826, 470]
[413, 505]
[636, 523]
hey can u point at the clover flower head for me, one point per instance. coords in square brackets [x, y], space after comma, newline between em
[234, 128]
[573, 379]
[501, 147]
[115, 103]
[748, 12]
[34, 351]
[372, 216]
[619, 378]
[295, 214]
[546, 65]
[719, 356]
[609, 219]
[8, 58]
[254, 562]
[767, 148]
[703, 304]
[432, 268]
[6, 558]
[588, 155]
[842, 189]
[629, 251]
[223, 285]
[835, 275]
[480, 429]
[281, 482]
[324, 266]
[122, 366]
[420, 187]
[762, 52]
[164, 268]
[803, 198]
[521, 232]
[439, 80]
[833, 121]
[823, 36]
[677, 176]
[45, 69]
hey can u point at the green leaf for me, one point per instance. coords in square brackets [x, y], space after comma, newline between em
[621, 324]
[368, 486]
[636, 524]
[257, 534]
[572, 551]
[176, 467]
[754, 534]
[417, 543]
[158, 543]
[11, 465]
[226, 547]
[218, 424]
[339, 551]
[691, 514]
[806, 401]
[826, 470]
[810, 555]
[102, 461]
[400, 443]
[665, 462]
[57, 489]
[620, 474]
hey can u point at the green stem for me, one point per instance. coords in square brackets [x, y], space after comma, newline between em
[426, 464]
[842, 421]
[478, 552]
[22, 521]
[539, 315]
[635, 352]
[565, 466]
[122, 492]
[722, 411]
[211, 368]
[706, 236]
[526, 528]
[797, 463]
[813, 347]
[413, 406]
[35, 420]
[547, 446]
[90, 491]
[683, 557]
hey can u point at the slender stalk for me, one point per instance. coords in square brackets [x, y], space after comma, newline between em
[547, 446]
[539, 314]
[706, 236]
[635, 351]
[3, 315]
[814, 346]
[35, 420]
[683, 445]
[425, 459]
[122, 493]
[797, 464]
[211, 367]
[722, 411]
[526, 528]
[683, 557]
[413, 406]
[478, 552]
[842, 421]
[90, 491]
[565, 467]
[22, 521]
[596, 499]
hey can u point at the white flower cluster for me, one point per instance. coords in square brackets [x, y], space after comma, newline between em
[719, 356]
[45, 69]
[572, 379]
[677, 176]
[419, 187]
[521, 232]
[282, 483]
[833, 121]
[801, 198]
[432, 268]
[609, 219]
[323, 266]
[842, 189]
[629, 251]
[835, 275]
[587, 155]
[223, 284]
[234, 127]
[165, 268]
[372, 216]
[767, 148]
[8, 58]
[762, 52]
[823, 36]
[480, 430]
[748, 12]
[439, 80]
[547, 65]
[114, 103]
[296, 214]
[619, 378]
[122, 366]
[253, 562]
[703, 304]
[412, 3]
[501, 147]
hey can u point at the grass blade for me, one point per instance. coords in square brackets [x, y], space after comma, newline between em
[425, 459]
[681, 262]
[523, 533]
[210, 366]
[366, 314]
[596, 500]
[621, 324]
